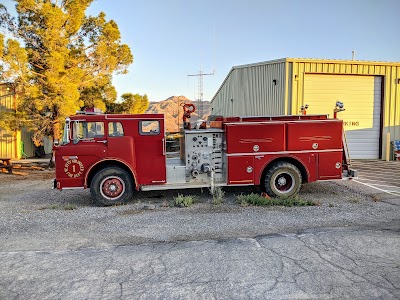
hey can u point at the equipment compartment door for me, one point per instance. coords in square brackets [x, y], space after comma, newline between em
[330, 165]
[240, 170]
[150, 152]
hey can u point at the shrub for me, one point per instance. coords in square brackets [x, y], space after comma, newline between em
[184, 201]
[258, 200]
[70, 206]
[218, 196]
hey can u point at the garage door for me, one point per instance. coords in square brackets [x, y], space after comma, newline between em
[361, 96]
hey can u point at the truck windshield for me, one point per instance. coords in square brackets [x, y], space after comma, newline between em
[87, 130]
[65, 138]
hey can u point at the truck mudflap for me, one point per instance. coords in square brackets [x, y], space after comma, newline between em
[54, 184]
[349, 174]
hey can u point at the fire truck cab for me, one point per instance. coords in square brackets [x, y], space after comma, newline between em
[114, 155]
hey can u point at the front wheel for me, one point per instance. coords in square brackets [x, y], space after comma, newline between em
[111, 186]
[282, 180]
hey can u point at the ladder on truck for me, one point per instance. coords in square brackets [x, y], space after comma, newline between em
[346, 150]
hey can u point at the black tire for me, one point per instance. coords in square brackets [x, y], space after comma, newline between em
[282, 180]
[111, 186]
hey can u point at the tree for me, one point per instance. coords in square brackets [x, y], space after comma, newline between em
[134, 104]
[66, 62]
[131, 104]
[100, 96]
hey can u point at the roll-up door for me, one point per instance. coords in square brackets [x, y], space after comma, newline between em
[361, 96]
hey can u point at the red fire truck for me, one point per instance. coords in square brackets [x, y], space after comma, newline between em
[114, 155]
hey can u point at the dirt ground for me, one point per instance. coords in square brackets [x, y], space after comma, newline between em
[58, 244]
[21, 173]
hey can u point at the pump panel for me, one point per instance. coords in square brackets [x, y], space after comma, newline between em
[203, 153]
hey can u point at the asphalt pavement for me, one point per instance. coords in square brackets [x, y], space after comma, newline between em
[324, 264]
[57, 245]
[383, 176]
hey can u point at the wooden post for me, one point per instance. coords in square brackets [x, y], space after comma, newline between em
[388, 146]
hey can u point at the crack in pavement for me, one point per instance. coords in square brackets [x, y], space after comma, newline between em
[324, 264]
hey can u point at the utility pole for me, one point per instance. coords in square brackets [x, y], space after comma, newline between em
[200, 92]
[200, 75]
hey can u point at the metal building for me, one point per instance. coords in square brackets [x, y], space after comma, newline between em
[369, 90]
[8, 139]
[15, 144]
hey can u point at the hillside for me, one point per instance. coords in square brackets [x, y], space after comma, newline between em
[173, 111]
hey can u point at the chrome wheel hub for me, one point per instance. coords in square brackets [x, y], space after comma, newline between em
[281, 181]
[112, 187]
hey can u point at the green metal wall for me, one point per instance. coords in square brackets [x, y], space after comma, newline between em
[252, 90]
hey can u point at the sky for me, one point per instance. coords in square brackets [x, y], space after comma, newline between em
[171, 39]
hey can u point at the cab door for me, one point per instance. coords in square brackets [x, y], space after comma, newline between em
[150, 152]
[90, 136]
[87, 146]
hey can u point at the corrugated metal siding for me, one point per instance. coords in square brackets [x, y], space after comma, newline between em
[29, 147]
[8, 144]
[251, 91]
[9, 141]
[26, 138]
[6, 98]
[391, 86]
[248, 90]
[48, 145]
[362, 98]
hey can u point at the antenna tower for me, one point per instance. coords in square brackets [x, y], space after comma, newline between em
[200, 75]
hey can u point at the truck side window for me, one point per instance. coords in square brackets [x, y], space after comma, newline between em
[87, 130]
[149, 127]
[115, 129]
[95, 129]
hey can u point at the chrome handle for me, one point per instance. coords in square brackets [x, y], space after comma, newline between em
[104, 142]
[158, 181]
[163, 147]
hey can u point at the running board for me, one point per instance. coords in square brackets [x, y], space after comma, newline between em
[176, 186]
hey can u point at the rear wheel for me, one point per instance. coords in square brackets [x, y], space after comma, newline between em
[111, 186]
[282, 180]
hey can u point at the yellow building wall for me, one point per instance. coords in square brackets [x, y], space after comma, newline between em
[8, 139]
[332, 88]
[10, 144]
[390, 73]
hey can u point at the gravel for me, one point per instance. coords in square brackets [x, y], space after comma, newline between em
[32, 216]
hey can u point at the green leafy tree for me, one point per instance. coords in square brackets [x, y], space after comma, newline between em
[131, 104]
[60, 60]
[99, 96]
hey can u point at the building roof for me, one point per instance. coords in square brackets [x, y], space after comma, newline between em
[318, 60]
[312, 60]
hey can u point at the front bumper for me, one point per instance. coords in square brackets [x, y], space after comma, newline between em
[54, 185]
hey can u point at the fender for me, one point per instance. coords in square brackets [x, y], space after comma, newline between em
[277, 157]
[112, 159]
